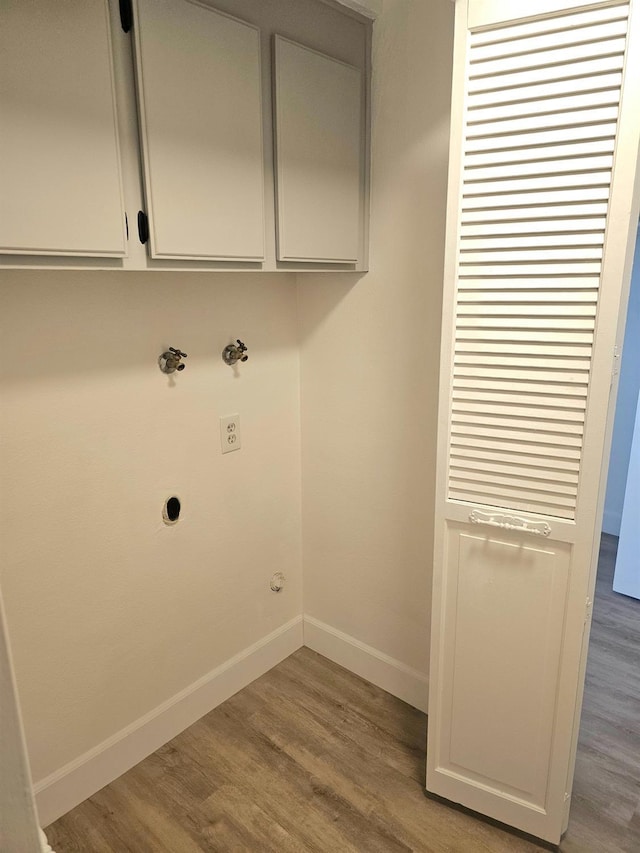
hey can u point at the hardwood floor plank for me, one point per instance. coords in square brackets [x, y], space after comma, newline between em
[78, 832]
[337, 769]
[271, 778]
[142, 822]
[345, 690]
[324, 806]
[607, 779]
[308, 699]
[362, 777]
[265, 833]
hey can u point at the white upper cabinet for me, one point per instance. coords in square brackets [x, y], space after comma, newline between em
[200, 111]
[188, 126]
[319, 158]
[60, 183]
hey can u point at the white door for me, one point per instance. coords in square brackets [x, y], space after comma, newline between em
[543, 201]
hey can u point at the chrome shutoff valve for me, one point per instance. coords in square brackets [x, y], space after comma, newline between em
[233, 353]
[171, 360]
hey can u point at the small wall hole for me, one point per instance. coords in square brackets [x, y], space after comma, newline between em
[171, 510]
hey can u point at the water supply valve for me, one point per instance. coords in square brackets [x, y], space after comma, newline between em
[171, 360]
[233, 353]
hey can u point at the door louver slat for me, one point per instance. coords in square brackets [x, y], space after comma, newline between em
[532, 269]
[541, 120]
[572, 21]
[579, 69]
[550, 56]
[555, 155]
[543, 198]
[491, 240]
[554, 214]
[503, 126]
[515, 465]
[561, 284]
[533, 439]
[546, 373]
[508, 397]
[555, 40]
[484, 454]
[518, 107]
[489, 303]
[555, 89]
[532, 138]
[502, 256]
[556, 366]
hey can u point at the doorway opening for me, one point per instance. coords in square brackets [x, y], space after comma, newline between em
[606, 791]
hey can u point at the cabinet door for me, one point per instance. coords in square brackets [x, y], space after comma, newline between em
[60, 184]
[319, 155]
[200, 108]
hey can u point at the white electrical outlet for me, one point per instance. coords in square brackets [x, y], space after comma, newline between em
[230, 433]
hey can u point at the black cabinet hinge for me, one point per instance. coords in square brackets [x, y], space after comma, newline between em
[143, 226]
[126, 14]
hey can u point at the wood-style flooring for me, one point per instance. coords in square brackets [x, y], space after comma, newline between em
[605, 812]
[312, 758]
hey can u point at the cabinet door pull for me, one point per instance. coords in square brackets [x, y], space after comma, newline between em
[126, 15]
[143, 226]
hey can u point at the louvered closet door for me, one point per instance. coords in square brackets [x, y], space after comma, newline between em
[542, 209]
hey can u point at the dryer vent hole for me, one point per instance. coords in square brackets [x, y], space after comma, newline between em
[171, 511]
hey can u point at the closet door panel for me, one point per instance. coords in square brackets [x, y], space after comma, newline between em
[200, 111]
[319, 155]
[544, 191]
[60, 180]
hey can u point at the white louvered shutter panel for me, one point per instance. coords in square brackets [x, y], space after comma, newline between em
[541, 114]
[544, 194]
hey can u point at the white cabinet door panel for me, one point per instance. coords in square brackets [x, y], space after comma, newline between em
[319, 155]
[60, 182]
[200, 109]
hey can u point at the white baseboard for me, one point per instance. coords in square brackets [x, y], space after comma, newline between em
[70, 785]
[375, 666]
[44, 844]
[73, 783]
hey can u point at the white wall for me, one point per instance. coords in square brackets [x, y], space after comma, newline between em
[369, 356]
[627, 572]
[110, 612]
[628, 389]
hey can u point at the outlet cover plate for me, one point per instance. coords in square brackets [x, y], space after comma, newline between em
[230, 433]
